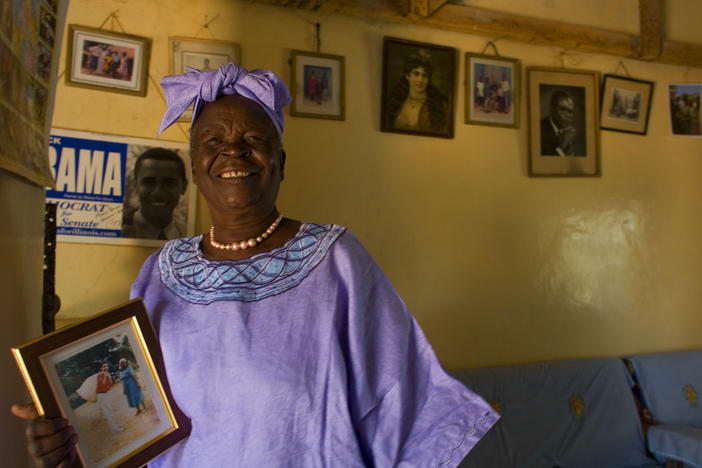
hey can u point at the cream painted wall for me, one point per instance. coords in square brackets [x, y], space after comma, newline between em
[496, 266]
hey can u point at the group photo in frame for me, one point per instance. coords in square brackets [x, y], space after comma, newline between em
[684, 109]
[492, 90]
[107, 60]
[106, 376]
[563, 122]
[200, 54]
[318, 85]
[625, 104]
[418, 88]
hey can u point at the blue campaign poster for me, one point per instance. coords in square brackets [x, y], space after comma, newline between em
[99, 197]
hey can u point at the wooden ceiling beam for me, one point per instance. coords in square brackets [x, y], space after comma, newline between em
[425, 8]
[496, 25]
[651, 17]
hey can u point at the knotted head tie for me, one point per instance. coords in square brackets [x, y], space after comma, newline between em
[199, 87]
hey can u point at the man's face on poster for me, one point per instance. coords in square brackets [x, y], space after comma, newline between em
[159, 186]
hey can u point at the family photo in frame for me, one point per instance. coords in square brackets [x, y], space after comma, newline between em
[625, 104]
[107, 60]
[492, 90]
[684, 109]
[563, 122]
[418, 88]
[317, 85]
[106, 376]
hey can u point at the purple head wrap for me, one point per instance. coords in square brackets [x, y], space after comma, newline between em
[261, 86]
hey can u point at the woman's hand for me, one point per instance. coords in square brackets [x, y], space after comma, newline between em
[51, 442]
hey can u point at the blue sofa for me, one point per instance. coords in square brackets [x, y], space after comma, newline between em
[669, 385]
[577, 413]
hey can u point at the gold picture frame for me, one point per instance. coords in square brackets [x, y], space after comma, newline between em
[107, 61]
[563, 115]
[73, 373]
[318, 85]
[493, 85]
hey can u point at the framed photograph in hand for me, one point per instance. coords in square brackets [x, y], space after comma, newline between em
[106, 376]
[625, 104]
[563, 122]
[107, 60]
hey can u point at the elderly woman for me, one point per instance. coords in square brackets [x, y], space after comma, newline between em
[283, 341]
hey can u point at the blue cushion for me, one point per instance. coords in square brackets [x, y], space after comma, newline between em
[670, 385]
[677, 442]
[572, 413]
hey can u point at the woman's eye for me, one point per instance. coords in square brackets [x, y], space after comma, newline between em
[212, 140]
[253, 138]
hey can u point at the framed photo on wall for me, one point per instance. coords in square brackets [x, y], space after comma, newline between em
[318, 87]
[418, 88]
[625, 104]
[684, 109]
[563, 122]
[106, 376]
[107, 61]
[492, 90]
[200, 54]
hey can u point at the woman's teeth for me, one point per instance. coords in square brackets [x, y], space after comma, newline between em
[234, 174]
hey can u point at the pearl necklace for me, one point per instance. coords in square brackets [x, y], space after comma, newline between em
[245, 244]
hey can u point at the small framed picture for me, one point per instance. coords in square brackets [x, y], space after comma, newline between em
[492, 90]
[107, 60]
[563, 122]
[418, 88]
[625, 104]
[106, 376]
[684, 109]
[318, 85]
[200, 54]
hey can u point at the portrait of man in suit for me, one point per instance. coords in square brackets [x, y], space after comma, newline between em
[562, 122]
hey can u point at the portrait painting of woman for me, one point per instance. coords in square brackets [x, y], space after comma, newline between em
[418, 88]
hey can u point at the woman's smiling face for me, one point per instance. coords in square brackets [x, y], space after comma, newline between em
[237, 157]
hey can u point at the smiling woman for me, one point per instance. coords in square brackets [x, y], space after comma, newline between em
[238, 164]
[284, 342]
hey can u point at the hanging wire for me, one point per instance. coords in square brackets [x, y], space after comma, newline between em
[573, 58]
[318, 38]
[206, 26]
[621, 65]
[107, 19]
[490, 44]
[113, 16]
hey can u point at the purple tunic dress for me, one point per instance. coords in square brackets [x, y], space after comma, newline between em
[304, 356]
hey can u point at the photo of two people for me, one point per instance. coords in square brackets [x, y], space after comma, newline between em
[107, 393]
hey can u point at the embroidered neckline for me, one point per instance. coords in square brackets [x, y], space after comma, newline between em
[194, 278]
